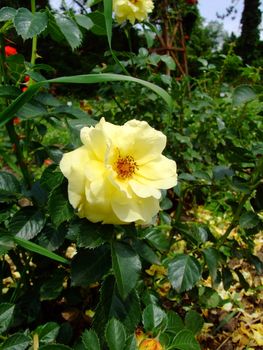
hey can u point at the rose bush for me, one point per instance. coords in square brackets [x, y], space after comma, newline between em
[117, 175]
[132, 10]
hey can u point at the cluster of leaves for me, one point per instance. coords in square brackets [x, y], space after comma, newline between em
[106, 284]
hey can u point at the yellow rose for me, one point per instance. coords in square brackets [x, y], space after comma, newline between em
[116, 176]
[132, 10]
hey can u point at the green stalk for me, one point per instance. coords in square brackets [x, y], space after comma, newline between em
[9, 125]
[18, 152]
[34, 40]
[255, 180]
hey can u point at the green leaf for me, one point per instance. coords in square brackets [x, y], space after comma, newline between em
[212, 258]
[9, 91]
[157, 237]
[28, 24]
[17, 341]
[152, 317]
[128, 311]
[107, 5]
[51, 178]
[193, 321]
[89, 235]
[115, 335]
[209, 298]
[183, 272]
[84, 21]
[126, 267]
[168, 61]
[10, 111]
[146, 252]
[6, 243]
[6, 315]
[70, 30]
[31, 110]
[174, 322]
[39, 250]
[9, 184]
[185, 340]
[59, 207]
[131, 343]
[227, 278]
[55, 347]
[7, 13]
[99, 26]
[90, 265]
[221, 171]
[243, 94]
[48, 332]
[90, 340]
[27, 223]
[248, 220]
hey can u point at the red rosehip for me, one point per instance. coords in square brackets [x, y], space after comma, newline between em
[10, 51]
[16, 121]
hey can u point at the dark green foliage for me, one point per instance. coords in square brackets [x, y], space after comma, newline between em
[248, 43]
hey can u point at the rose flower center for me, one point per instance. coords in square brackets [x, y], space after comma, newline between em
[125, 167]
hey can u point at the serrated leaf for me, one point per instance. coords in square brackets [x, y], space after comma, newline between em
[128, 311]
[126, 267]
[243, 94]
[152, 317]
[174, 322]
[90, 265]
[17, 341]
[28, 24]
[248, 220]
[157, 237]
[89, 235]
[70, 30]
[48, 332]
[51, 178]
[194, 321]
[183, 272]
[9, 184]
[6, 315]
[185, 340]
[7, 13]
[27, 223]
[90, 340]
[84, 21]
[115, 335]
[59, 207]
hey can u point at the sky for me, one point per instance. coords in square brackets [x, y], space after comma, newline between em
[208, 10]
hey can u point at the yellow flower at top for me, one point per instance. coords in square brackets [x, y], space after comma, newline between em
[132, 10]
[117, 175]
